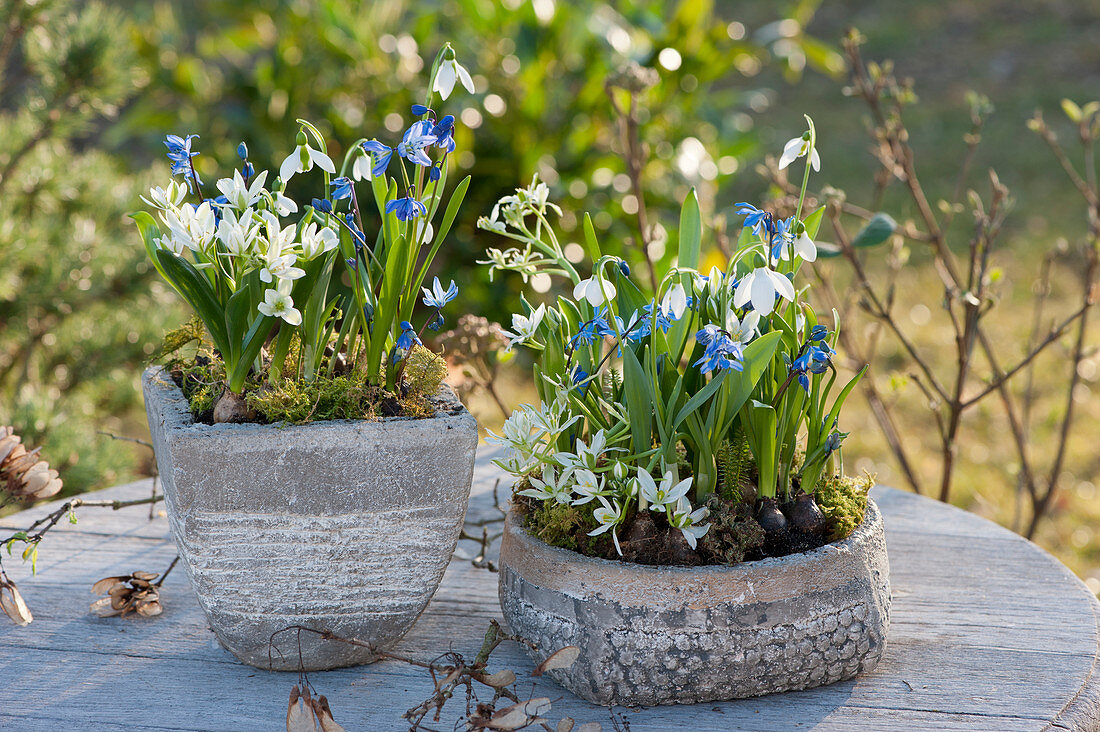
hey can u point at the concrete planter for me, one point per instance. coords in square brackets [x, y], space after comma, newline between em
[681, 635]
[344, 526]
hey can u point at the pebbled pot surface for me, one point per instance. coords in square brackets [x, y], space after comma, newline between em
[682, 635]
[344, 526]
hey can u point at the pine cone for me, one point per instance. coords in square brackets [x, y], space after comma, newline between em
[22, 474]
[131, 593]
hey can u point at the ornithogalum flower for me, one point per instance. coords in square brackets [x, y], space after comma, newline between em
[341, 188]
[381, 155]
[524, 326]
[687, 521]
[277, 304]
[742, 330]
[418, 137]
[317, 241]
[406, 208]
[665, 495]
[797, 147]
[302, 159]
[550, 487]
[437, 297]
[449, 72]
[609, 516]
[408, 337]
[239, 193]
[761, 287]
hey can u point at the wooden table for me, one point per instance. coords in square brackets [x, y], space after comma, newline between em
[988, 632]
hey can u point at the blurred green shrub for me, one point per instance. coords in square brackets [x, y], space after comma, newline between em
[77, 307]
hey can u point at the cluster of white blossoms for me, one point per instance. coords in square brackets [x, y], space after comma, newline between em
[589, 472]
[242, 231]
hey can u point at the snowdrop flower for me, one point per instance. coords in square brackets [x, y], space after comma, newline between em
[277, 304]
[742, 330]
[449, 72]
[661, 497]
[361, 168]
[797, 147]
[302, 159]
[687, 521]
[593, 290]
[172, 197]
[284, 206]
[609, 515]
[586, 485]
[803, 246]
[239, 194]
[761, 287]
[549, 487]
[422, 231]
[318, 241]
[524, 327]
[674, 302]
[437, 297]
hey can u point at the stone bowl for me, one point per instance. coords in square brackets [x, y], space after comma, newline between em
[681, 635]
[343, 526]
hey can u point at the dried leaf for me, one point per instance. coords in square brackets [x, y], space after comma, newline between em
[590, 727]
[146, 576]
[105, 584]
[561, 658]
[149, 609]
[51, 488]
[520, 715]
[102, 608]
[498, 680]
[565, 725]
[454, 674]
[7, 445]
[324, 715]
[11, 602]
[299, 713]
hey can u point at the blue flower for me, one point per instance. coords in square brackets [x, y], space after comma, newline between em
[821, 357]
[360, 237]
[417, 137]
[435, 171]
[242, 151]
[322, 204]
[179, 153]
[624, 268]
[341, 188]
[591, 330]
[759, 220]
[247, 170]
[819, 333]
[420, 110]
[408, 337]
[444, 133]
[380, 154]
[406, 208]
[580, 376]
[832, 442]
[437, 322]
[719, 350]
[781, 237]
[438, 297]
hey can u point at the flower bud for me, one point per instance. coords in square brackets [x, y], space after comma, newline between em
[301, 140]
[242, 151]
[624, 268]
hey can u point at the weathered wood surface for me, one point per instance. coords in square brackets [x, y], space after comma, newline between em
[988, 633]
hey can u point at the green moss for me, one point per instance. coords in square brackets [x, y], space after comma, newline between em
[298, 402]
[424, 371]
[175, 340]
[202, 382]
[843, 500]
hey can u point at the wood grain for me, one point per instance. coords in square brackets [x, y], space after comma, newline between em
[988, 633]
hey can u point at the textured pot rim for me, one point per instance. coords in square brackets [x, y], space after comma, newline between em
[629, 583]
[449, 408]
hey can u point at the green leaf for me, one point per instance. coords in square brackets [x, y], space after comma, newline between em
[875, 232]
[691, 232]
[444, 227]
[813, 222]
[591, 243]
[196, 290]
[699, 398]
[826, 250]
[639, 401]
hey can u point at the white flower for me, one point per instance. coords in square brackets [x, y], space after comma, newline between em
[520, 431]
[277, 304]
[524, 327]
[302, 159]
[674, 302]
[284, 206]
[191, 226]
[318, 241]
[449, 72]
[493, 222]
[172, 197]
[660, 497]
[796, 147]
[742, 331]
[609, 515]
[361, 168]
[235, 234]
[549, 488]
[760, 287]
[586, 485]
[803, 246]
[421, 227]
[173, 243]
[586, 456]
[241, 195]
[687, 521]
[594, 290]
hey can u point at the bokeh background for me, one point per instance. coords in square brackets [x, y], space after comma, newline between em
[88, 90]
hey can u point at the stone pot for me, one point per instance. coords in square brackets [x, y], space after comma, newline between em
[680, 635]
[342, 526]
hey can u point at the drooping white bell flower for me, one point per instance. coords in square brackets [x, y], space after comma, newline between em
[302, 159]
[797, 147]
[760, 287]
[450, 70]
[593, 290]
